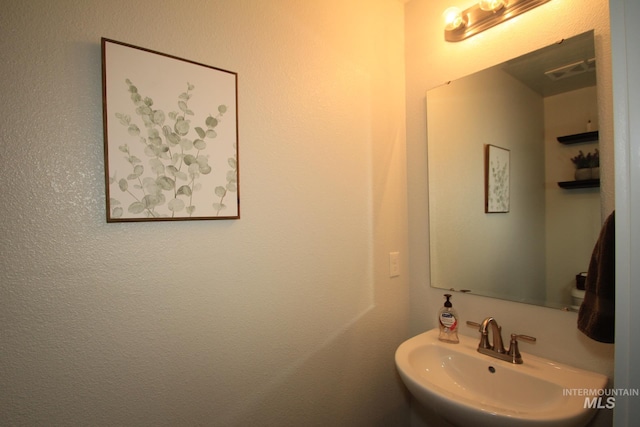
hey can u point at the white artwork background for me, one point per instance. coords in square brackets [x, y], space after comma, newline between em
[163, 80]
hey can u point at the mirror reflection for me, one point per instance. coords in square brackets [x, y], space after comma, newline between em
[531, 250]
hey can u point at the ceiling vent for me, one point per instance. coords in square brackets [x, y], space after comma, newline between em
[571, 69]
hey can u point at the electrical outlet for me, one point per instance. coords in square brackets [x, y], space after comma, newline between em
[394, 264]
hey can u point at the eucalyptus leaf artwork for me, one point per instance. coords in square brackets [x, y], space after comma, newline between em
[170, 129]
[497, 179]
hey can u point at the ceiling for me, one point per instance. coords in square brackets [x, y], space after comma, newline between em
[562, 67]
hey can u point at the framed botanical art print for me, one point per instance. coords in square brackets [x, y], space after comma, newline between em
[170, 137]
[497, 176]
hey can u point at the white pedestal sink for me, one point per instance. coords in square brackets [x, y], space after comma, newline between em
[471, 389]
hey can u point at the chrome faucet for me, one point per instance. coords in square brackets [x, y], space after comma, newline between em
[496, 349]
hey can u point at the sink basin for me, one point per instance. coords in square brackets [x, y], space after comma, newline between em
[468, 388]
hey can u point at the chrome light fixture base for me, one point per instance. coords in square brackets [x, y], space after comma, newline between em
[475, 20]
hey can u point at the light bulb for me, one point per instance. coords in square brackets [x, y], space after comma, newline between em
[452, 18]
[491, 5]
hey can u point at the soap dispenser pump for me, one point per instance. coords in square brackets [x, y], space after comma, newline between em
[448, 320]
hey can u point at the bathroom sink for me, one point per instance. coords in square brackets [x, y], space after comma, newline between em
[468, 388]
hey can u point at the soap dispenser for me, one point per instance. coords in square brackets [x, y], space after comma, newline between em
[448, 320]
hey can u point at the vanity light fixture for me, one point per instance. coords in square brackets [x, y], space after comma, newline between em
[491, 5]
[460, 25]
[452, 18]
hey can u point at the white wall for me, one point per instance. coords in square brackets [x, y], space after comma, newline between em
[284, 317]
[574, 217]
[432, 61]
[626, 90]
[490, 107]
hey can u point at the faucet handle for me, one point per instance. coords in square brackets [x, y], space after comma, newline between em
[513, 351]
[474, 324]
[523, 337]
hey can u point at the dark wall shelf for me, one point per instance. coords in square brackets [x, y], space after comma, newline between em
[579, 138]
[585, 183]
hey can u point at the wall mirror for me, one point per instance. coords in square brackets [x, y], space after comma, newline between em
[531, 248]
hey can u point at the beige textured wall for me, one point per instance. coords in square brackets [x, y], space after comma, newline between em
[284, 317]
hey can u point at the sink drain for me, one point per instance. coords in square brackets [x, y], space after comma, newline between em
[492, 369]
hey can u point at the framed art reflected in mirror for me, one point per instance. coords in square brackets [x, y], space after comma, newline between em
[497, 174]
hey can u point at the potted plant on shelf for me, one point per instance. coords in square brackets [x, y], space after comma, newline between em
[587, 166]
